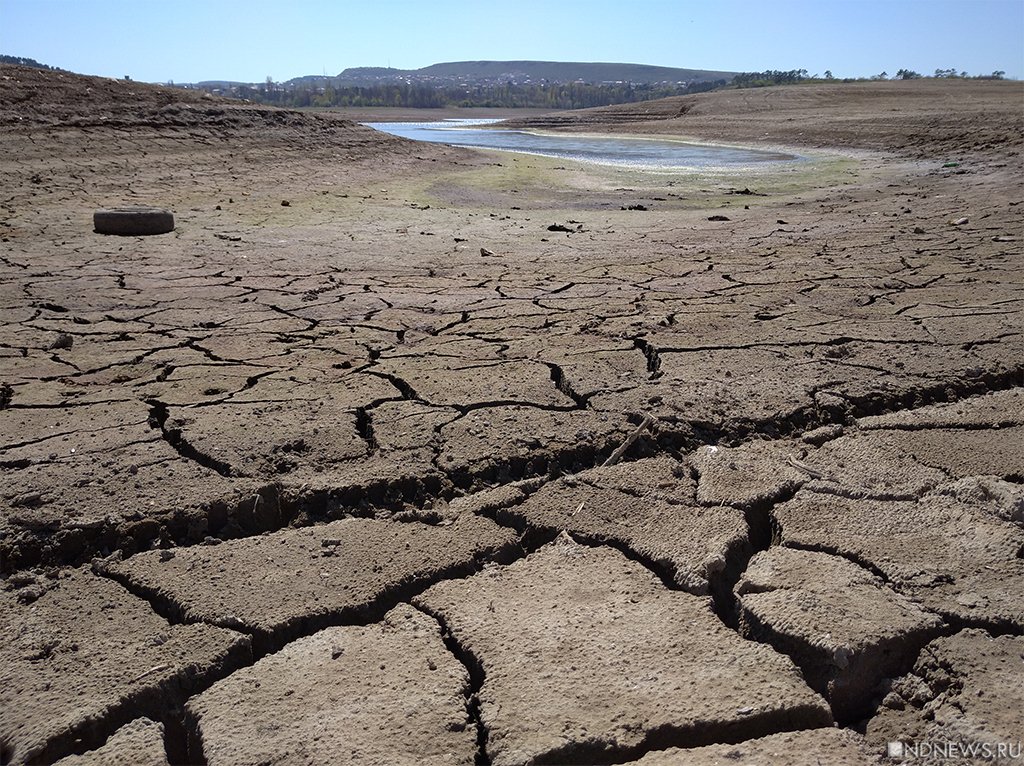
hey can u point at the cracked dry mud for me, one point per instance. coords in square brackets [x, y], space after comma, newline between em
[321, 482]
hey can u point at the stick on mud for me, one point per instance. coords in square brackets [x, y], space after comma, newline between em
[616, 456]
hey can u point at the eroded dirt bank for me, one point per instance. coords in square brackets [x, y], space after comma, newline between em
[318, 476]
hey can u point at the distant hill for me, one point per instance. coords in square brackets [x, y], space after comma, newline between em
[376, 72]
[531, 71]
[491, 84]
[556, 71]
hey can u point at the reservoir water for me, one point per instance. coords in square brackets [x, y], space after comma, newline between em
[640, 153]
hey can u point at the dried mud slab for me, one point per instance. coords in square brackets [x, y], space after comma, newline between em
[814, 747]
[960, 453]
[963, 689]
[588, 366]
[274, 439]
[719, 388]
[647, 509]
[585, 656]
[80, 656]
[999, 409]
[907, 454]
[409, 425]
[871, 464]
[956, 559]
[285, 426]
[983, 435]
[385, 693]
[748, 476]
[139, 743]
[289, 583]
[1003, 499]
[477, 382]
[85, 478]
[504, 443]
[839, 622]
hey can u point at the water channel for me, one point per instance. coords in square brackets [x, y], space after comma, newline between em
[638, 153]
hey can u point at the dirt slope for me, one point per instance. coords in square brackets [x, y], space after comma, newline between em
[32, 100]
[917, 118]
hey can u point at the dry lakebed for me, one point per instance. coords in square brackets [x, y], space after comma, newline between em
[403, 453]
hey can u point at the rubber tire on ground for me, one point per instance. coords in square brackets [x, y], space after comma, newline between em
[133, 221]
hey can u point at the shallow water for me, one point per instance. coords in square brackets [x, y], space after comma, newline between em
[643, 153]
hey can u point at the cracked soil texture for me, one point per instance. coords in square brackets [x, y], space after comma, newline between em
[257, 585]
[139, 743]
[81, 654]
[584, 654]
[361, 397]
[392, 691]
[964, 689]
[846, 629]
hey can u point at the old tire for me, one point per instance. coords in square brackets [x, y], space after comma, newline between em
[133, 221]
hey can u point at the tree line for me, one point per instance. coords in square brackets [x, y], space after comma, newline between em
[574, 95]
[23, 61]
[777, 77]
[768, 77]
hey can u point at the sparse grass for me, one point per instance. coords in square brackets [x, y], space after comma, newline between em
[535, 182]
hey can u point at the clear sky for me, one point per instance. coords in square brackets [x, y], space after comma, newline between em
[249, 40]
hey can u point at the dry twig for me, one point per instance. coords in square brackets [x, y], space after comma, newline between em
[616, 456]
[155, 669]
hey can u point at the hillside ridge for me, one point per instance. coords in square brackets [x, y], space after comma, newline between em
[554, 71]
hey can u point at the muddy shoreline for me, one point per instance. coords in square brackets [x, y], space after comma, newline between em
[348, 422]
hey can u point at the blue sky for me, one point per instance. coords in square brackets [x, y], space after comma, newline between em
[191, 40]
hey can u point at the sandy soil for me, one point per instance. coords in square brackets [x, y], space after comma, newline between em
[347, 422]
